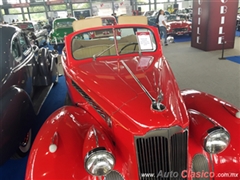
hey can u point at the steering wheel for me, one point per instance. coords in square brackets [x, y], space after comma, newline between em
[129, 44]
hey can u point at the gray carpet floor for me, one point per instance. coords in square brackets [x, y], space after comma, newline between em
[201, 70]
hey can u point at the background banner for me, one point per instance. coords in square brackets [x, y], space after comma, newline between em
[214, 23]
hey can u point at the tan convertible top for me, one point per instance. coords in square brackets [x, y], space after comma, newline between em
[97, 21]
[132, 20]
[87, 23]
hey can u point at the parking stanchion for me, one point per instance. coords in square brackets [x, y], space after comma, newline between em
[222, 58]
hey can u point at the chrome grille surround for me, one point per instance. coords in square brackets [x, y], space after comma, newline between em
[162, 151]
[113, 175]
[100, 111]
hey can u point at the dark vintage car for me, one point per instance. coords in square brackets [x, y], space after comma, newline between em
[184, 13]
[45, 25]
[148, 13]
[36, 33]
[27, 75]
[128, 119]
[61, 28]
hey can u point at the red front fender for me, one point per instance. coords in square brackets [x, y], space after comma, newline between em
[70, 126]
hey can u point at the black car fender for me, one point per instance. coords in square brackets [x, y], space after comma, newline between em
[17, 116]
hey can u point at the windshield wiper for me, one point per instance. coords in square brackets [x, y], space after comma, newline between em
[95, 56]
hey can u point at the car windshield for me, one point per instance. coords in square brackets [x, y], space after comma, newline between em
[25, 26]
[175, 18]
[63, 24]
[108, 21]
[148, 13]
[101, 42]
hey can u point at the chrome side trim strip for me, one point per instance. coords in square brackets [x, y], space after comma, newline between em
[204, 116]
[24, 63]
[96, 137]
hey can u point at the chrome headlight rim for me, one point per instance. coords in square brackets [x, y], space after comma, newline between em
[94, 152]
[210, 133]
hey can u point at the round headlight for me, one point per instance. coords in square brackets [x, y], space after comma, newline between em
[99, 162]
[216, 141]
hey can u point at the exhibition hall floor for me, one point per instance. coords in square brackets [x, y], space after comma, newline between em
[193, 69]
[202, 70]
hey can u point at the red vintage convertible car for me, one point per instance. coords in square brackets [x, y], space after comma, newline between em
[178, 25]
[128, 119]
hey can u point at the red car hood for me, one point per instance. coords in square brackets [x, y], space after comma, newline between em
[179, 23]
[109, 82]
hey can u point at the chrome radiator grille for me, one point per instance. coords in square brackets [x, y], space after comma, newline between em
[162, 154]
[180, 29]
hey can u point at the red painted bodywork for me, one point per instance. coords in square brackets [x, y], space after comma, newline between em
[179, 28]
[110, 85]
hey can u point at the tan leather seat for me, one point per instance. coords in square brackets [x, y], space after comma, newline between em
[128, 49]
[79, 43]
[90, 51]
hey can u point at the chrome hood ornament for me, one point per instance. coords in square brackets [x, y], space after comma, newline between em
[156, 103]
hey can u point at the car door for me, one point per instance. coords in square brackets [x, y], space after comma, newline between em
[23, 62]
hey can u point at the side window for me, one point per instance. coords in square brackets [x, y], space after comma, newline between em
[16, 49]
[36, 27]
[24, 44]
[39, 26]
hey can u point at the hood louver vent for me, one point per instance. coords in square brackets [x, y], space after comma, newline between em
[100, 111]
